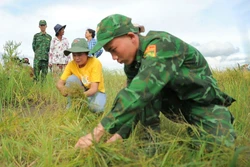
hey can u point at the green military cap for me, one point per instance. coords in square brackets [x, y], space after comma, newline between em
[78, 45]
[42, 23]
[110, 27]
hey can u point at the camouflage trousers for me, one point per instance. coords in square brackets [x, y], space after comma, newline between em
[213, 122]
[40, 66]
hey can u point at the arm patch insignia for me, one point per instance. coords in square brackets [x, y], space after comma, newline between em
[150, 51]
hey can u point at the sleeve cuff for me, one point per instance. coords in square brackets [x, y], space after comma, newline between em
[107, 124]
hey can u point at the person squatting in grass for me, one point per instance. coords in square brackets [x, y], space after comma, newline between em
[25, 62]
[164, 74]
[85, 71]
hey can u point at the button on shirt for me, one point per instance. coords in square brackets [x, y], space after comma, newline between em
[56, 55]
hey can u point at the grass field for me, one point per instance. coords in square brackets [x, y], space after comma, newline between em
[37, 130]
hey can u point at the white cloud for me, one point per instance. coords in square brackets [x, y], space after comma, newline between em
[221, 62]
[108, 62]
[4, 2]
[186, 20]
[215, 48]
[221, 55]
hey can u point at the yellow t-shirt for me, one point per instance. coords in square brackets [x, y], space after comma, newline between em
[91, 72]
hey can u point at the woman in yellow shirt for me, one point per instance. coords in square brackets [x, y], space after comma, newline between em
[85, 71]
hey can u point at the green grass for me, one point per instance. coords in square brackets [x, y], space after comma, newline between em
[36, 130]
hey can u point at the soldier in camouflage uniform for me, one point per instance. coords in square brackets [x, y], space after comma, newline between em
[164, 74]
[41, 46]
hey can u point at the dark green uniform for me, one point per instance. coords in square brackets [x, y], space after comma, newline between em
[168, 76]
[41, 46]
[173, 77]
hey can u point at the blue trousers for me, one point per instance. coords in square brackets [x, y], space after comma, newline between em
[96, 102]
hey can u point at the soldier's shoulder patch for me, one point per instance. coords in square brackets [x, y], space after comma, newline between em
[150, 51]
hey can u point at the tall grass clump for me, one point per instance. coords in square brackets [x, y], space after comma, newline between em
[14, 78]
[114, 81]
[236, 82]
[36, 129]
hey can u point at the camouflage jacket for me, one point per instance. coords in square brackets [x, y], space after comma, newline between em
[41, 46]
[164, 61]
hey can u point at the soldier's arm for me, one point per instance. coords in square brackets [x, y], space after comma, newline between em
[34, 43]
[49, 43]
[143, 88]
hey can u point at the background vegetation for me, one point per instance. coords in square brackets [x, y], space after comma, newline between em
[37, 130]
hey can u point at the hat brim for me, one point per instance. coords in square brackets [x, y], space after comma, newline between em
[61, 28]
[100, 44]
[75, 50]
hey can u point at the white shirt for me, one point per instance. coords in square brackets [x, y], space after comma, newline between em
[56, 55]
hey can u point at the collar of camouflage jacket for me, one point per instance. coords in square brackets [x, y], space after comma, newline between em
[140, 52]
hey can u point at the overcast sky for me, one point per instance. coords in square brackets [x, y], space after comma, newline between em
[220, 29]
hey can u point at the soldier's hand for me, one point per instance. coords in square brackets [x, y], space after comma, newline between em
[86, 141]
[115, 137]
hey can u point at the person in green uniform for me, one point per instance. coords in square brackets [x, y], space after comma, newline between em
[41, 47]
[164, 74]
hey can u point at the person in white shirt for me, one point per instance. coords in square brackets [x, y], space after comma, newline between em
[57, 59]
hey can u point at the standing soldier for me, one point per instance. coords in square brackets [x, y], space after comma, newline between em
[41, 46]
